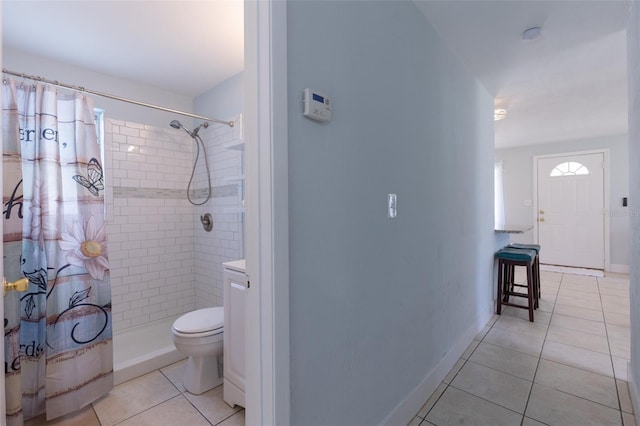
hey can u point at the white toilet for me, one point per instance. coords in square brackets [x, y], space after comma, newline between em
[199, 334]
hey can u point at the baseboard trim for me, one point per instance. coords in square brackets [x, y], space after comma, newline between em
[572, 270]
[404, 412]
[633, 393]
[618, 268]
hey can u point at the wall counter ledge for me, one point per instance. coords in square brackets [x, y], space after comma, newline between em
[514, 229]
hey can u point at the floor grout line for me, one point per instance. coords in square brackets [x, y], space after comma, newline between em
[447, 385]
[535, 373]
[484, 399]
[182, 394]
[493, 325]
[613, 369]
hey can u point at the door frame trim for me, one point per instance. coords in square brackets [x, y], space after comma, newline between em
[3, 407]
[268, 398]
[606, 208]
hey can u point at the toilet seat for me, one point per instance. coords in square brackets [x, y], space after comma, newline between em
[201, 322]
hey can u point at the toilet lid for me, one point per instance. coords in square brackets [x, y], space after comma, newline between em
[200, 321]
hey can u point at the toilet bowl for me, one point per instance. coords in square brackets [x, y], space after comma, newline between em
[199, 334]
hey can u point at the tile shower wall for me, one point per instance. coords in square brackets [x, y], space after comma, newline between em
[150, 224]
[225, 241]
[155, 238]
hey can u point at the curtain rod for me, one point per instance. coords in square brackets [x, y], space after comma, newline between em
[117, 98]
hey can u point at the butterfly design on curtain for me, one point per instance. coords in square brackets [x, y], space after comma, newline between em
[94, 181]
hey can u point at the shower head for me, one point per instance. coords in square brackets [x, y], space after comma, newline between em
[177, 125]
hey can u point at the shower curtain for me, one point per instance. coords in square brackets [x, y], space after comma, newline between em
[58, 349]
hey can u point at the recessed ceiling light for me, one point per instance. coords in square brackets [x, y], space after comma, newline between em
[499, 114]
[531, 34]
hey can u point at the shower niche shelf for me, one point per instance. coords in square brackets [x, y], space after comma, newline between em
[232, 179]
[236, 145]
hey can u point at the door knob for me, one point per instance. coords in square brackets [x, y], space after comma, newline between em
[541, 219]
[19, 285]
[541, 211]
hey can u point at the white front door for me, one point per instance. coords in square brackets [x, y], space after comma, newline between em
[571, 210]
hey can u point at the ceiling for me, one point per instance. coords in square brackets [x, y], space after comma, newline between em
[186, 47]
[569, 84]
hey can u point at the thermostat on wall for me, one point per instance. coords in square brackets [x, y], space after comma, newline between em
[316, 106]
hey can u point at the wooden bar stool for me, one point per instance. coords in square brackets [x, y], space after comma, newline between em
[536, 265]
[508, 259]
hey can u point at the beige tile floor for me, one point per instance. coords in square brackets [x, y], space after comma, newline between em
[155, 399]
[569, 367]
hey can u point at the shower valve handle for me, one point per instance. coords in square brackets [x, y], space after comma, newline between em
[207, 221]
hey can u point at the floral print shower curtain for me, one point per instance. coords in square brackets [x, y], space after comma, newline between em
[58, 347]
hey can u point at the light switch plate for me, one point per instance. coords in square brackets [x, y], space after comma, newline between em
[392, 204]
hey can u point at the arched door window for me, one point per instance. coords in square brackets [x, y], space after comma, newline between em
[569, 168]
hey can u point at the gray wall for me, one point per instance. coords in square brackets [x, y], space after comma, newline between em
[518, 186]
[376, 303]
[633, 46]
[19, 61]
[224, 101]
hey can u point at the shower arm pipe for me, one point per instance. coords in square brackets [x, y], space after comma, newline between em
[117, 98]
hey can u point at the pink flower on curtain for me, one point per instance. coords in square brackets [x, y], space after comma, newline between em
[87, 247]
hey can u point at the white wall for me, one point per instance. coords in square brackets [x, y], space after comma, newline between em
[633, 48]
[224, 101]
[376, 304]
[518, 187]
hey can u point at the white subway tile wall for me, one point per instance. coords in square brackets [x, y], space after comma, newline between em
[225, 241]
[163, 263]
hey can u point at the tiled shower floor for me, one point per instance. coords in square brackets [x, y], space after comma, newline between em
[155, 399]
[567, 368]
